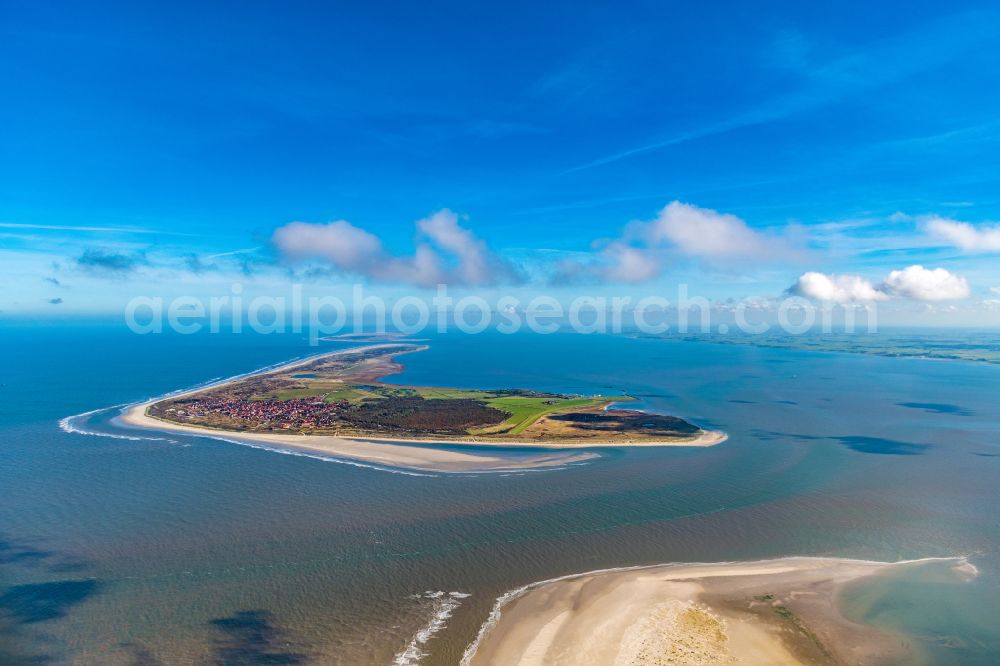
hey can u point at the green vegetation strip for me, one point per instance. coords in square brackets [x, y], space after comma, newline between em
[523, 410]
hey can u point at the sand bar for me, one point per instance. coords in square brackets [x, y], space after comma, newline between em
[773, 612]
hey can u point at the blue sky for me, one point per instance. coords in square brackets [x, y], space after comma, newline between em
[156, 147]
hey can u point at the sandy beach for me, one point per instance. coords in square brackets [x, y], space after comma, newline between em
[409, 453]
[772, 612]
[422, 458]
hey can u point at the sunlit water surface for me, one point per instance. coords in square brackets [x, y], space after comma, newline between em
[177, 549]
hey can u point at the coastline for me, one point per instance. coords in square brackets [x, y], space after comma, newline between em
[780, 611]
[706, 438]
[421, 458]
[411, 453]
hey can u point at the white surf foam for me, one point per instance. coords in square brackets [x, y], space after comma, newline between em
[444, 604]
[71, 425]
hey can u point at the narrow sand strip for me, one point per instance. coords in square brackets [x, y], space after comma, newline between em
[423, 458]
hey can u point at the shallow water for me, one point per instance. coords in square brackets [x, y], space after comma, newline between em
[179, 548]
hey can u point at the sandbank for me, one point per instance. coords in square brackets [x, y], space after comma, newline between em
[774, 612]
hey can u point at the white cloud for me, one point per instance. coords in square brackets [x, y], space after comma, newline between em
[339, 242]
[836, 288]
[476, 264]
[350, 249]
[629, 264]
[679, 229]
[702, 232]
[984, 238]
[617, 262]
[925, 284]
[914, 282]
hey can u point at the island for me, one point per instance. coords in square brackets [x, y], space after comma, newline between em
[340, 397]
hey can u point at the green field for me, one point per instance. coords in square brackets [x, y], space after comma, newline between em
[523, 410]
[526, 410]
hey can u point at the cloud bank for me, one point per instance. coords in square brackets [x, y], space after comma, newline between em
[985, 238]
[617, 262]
[446, 253]
[914, 282]
[706, 233]
[680, 230]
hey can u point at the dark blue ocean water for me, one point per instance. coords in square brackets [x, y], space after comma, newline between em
[183, 550]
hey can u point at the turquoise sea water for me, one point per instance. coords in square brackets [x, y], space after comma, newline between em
[176, 549]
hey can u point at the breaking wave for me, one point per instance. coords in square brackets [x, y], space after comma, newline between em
[443, 604]
[72, 425]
